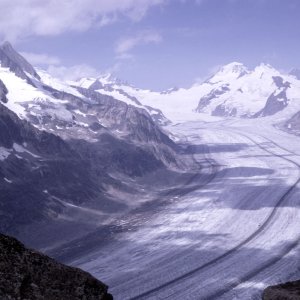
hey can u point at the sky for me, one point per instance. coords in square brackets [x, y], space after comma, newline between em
[155, 44]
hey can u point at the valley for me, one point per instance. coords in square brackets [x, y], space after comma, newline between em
[226, 240]
[190, 193]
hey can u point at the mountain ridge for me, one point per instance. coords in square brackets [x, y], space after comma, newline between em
[233, 91]
[72, 159]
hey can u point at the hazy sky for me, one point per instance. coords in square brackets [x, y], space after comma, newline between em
[153, 44]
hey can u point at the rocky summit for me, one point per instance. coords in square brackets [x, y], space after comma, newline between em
[26, 274]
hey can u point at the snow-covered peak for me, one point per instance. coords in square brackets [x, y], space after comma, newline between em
[109, 79]
[230, 71]
[234, 67]
[105, 80]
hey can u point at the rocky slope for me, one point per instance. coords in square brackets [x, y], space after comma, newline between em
[285, 291]
[26, 274]
[110, 86]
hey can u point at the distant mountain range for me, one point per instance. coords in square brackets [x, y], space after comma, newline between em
[234, 91]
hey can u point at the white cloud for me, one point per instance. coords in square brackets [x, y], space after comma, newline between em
[125, 45]
[23, 18]
[37, 59]
[73, 73]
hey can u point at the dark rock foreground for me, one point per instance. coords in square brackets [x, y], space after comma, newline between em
[29, 275]
[285, 291]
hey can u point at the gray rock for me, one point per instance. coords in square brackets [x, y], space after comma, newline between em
[3, 92]
[221, 110]
[156, 114]
[277, 101]
[215, 93]
[26, 274]
[285, 291]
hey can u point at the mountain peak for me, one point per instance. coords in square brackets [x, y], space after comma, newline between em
[11, 59]
[234, 67]
[7, 48]
[6, 45]
[230, 71]
[110, 79]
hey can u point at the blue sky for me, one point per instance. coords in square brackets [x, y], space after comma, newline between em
[152, 44]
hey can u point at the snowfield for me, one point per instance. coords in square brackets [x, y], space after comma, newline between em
[226, 240]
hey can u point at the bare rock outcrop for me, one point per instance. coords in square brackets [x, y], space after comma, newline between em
[29, 275]
[285, 291]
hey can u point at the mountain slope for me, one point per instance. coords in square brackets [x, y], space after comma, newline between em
[71, 159]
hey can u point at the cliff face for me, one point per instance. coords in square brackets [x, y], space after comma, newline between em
[26, 274]
[285, 291]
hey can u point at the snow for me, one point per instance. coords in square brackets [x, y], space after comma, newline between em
[25, 99]
[7, 180]
[57, 84]
[20, 149]
[21, 93]
[176, 106]
[78, 112]
[4, 153]
[81, 124]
